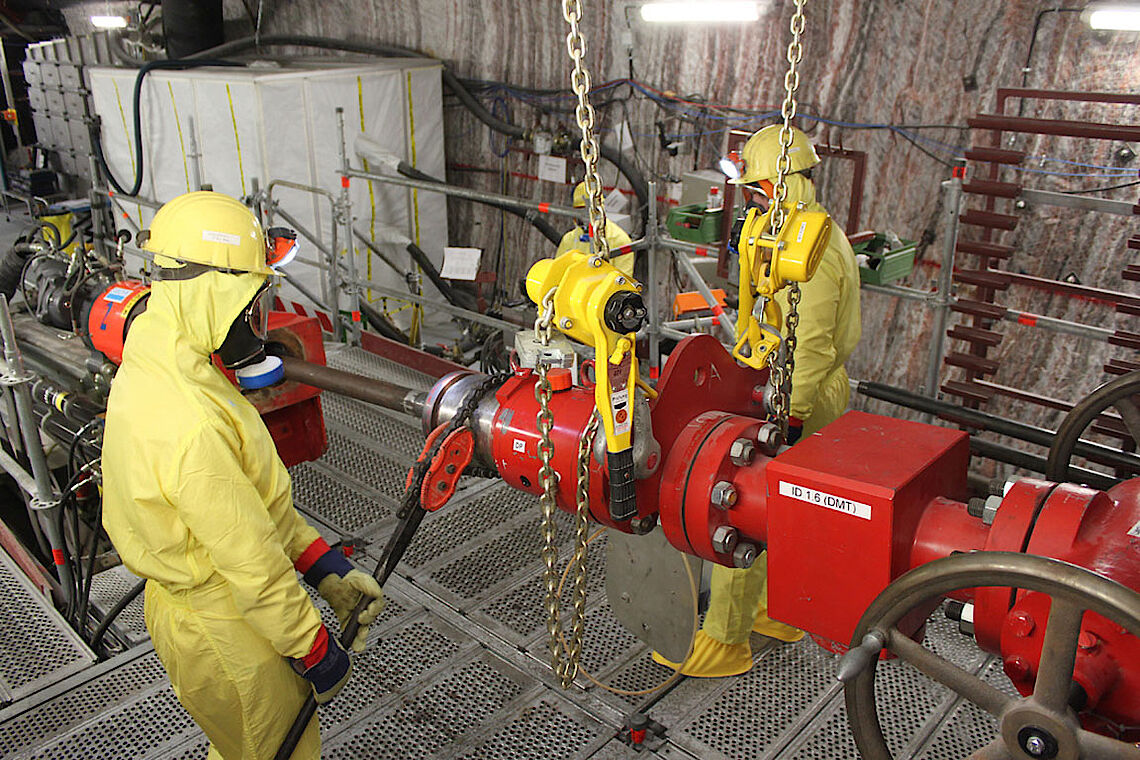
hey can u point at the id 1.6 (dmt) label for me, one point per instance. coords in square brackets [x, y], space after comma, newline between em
[823, 499]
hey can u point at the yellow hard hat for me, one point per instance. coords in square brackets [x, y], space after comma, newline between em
[763, 149]
[207, 228]
[581, 195]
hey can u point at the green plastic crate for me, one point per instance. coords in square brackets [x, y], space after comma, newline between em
[887, 264]
[694, 224]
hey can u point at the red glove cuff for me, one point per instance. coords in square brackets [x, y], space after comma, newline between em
[319, 650]
[309, 557]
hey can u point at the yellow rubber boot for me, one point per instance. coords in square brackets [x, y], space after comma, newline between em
[713, 659]
[721, 647]
[765, 625]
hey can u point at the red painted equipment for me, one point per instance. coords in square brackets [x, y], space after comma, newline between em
[842, 514]
[291, 411]
[111, 315]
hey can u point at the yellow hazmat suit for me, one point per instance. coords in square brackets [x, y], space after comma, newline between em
[197, 501]
[577, 240]
[829, 328]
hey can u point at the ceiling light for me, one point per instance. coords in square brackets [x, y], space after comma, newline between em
[682, 11]
[108, 22]
[1123, 17]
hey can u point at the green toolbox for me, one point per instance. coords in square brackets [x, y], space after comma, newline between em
[694, 223]
[882, 260]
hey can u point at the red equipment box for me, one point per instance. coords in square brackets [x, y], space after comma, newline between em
[843, 506]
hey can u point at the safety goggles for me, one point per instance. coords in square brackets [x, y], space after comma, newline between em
[257, 313]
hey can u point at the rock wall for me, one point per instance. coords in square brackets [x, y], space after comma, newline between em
[900, 62]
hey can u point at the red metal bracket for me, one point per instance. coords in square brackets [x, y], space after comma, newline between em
[446, 467]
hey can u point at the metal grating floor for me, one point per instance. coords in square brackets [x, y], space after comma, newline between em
[457, 666]
[37, 646]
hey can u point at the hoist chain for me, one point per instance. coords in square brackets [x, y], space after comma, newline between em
[782, 370]
[584, 114]
[564, 656]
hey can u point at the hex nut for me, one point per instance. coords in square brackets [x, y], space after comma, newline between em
[989, 511]
[742, 452]
[724, 539]
[770, 438]
[723, 495]
[744, 555]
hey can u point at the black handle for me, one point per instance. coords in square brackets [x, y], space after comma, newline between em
[623, 490]
[393, 552]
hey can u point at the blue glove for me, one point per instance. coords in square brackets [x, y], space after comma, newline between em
[326, 666]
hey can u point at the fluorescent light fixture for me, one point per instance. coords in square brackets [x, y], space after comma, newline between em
[1123, 17]
[687, 11]
[108, 22]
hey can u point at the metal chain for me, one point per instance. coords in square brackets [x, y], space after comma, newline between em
[782, 371]
[584, 115]
[578, 560]
[564, 657]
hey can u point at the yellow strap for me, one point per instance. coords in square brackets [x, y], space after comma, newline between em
[178, 124]
[371, 191]
[237, 140]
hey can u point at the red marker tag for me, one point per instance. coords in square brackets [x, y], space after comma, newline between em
[702, 251]
[717, 309]
[57, 556]
[356, 316]
[1027, 319]
[654, 373]
[544, 208]
[344, 181]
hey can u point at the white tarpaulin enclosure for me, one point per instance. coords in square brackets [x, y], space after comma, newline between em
[255, 125]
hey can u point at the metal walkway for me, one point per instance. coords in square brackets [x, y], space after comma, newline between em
[456, 667]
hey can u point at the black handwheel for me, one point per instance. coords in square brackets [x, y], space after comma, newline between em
[1123, 394]
[1027, 724]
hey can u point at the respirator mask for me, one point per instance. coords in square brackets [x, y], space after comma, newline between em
[243, 350]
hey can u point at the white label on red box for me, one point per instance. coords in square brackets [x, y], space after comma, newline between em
[824, 499]
[1135, 530]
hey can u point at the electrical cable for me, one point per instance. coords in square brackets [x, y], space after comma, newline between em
[97, 142]
[1101, 189]
[114, 612]
[631, 173]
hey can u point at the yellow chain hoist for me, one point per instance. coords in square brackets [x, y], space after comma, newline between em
[597, 304]
[769, 263]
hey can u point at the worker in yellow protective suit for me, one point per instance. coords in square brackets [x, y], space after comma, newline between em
[197, 501]
[829, 327]
[577, 239]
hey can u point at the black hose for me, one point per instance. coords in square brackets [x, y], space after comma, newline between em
[54, 231]
[114, 612]
[96, 140]
[382, 324]
[454, 297]
[527, 214]
[630, 172]
[12, 268]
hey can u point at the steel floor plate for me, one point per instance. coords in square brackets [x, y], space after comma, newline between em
[457, 666]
